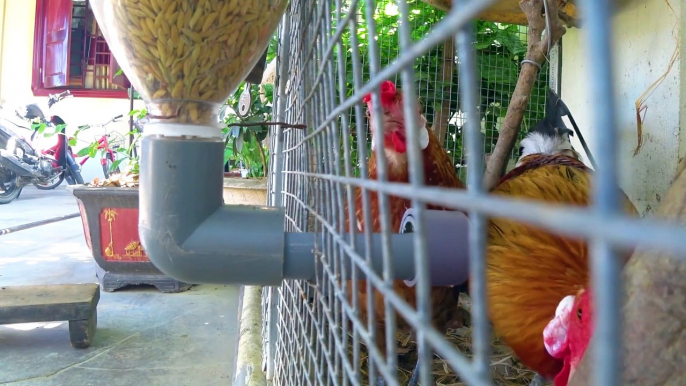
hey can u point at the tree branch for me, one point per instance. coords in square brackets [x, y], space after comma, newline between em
[442, 115]
[536, 52]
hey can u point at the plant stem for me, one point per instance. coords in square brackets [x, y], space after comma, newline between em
[262, 157]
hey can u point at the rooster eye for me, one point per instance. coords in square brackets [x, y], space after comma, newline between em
[578, 313]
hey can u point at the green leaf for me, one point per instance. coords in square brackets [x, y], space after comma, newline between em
[239, 142]
[93, 150]
[83, 152]
[116, 164]
[511, 42]
[498, 69]
[72, 141]
[269, 92]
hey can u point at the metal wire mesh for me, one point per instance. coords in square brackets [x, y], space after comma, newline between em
[331, 54]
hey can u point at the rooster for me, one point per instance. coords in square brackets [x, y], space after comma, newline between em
[438, 171]
[567, 336]
[529, 270]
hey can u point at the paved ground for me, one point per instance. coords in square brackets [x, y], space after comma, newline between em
[144, 337]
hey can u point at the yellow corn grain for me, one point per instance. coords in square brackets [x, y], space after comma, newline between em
[186, 68]
[177, 90]
[224, 12]
[141, 50]
[206, 81]
[215, 52]
[159, 93]
[196, 16]
[250, 16]
[177, 67]
[162, 50]
[208, 21]
[174, 35]
[192, 35]
[148, 40]
[207, 95]
[151, 26]
[187, 16]
[193, 111]
[180, 18]
[164, 78]
[171, 8]
[158, 21]
[196, 53]
[135, 20]
[146, 10]
[155, 6]
[135, 11]
[195, 93]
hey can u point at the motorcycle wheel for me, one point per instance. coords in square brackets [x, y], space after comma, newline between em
[76, 175]
[10, 190]
[51, 185]
[108, 165]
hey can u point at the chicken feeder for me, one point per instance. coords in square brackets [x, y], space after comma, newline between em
[185, 57]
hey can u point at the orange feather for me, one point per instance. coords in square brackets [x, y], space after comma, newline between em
[528, 269]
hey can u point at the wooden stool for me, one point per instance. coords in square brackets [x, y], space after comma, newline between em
[76, 303]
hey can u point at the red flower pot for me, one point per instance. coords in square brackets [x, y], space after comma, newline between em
[110, 225]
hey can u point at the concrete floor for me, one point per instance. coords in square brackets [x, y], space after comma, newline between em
[144, 337]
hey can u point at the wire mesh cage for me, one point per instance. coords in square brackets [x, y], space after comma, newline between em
[331, 55]
[327, 67]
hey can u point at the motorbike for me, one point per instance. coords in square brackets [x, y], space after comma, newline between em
[21, 164]
[103, 144]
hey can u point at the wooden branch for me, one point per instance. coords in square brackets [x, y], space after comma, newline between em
[442, 115]
[536, 51]
[654, 311]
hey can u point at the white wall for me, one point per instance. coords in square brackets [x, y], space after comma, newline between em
[643, 46]
[15, 81]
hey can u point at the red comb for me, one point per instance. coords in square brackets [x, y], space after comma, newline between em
[387, 93]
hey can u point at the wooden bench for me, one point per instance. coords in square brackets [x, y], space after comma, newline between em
[76, 303]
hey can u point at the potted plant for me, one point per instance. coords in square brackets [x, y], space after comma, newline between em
[109, 213]
[245, 133]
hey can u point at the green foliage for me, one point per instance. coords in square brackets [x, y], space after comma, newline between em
[500, 50]
[244, 144]
[124, 153]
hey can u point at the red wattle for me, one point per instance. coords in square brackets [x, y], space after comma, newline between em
[562, 378]
[398, 142]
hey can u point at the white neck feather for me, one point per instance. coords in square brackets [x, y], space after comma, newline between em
[537, 143]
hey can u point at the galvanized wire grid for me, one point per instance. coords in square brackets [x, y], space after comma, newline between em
[319, 338]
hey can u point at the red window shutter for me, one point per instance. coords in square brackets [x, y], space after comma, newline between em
[120, 80]
[57, 33]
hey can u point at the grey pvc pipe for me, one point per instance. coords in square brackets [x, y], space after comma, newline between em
[186, 231]
[447, 241]
[191, 236]
[447, 245]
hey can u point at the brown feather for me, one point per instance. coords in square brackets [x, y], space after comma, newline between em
[529, 270]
